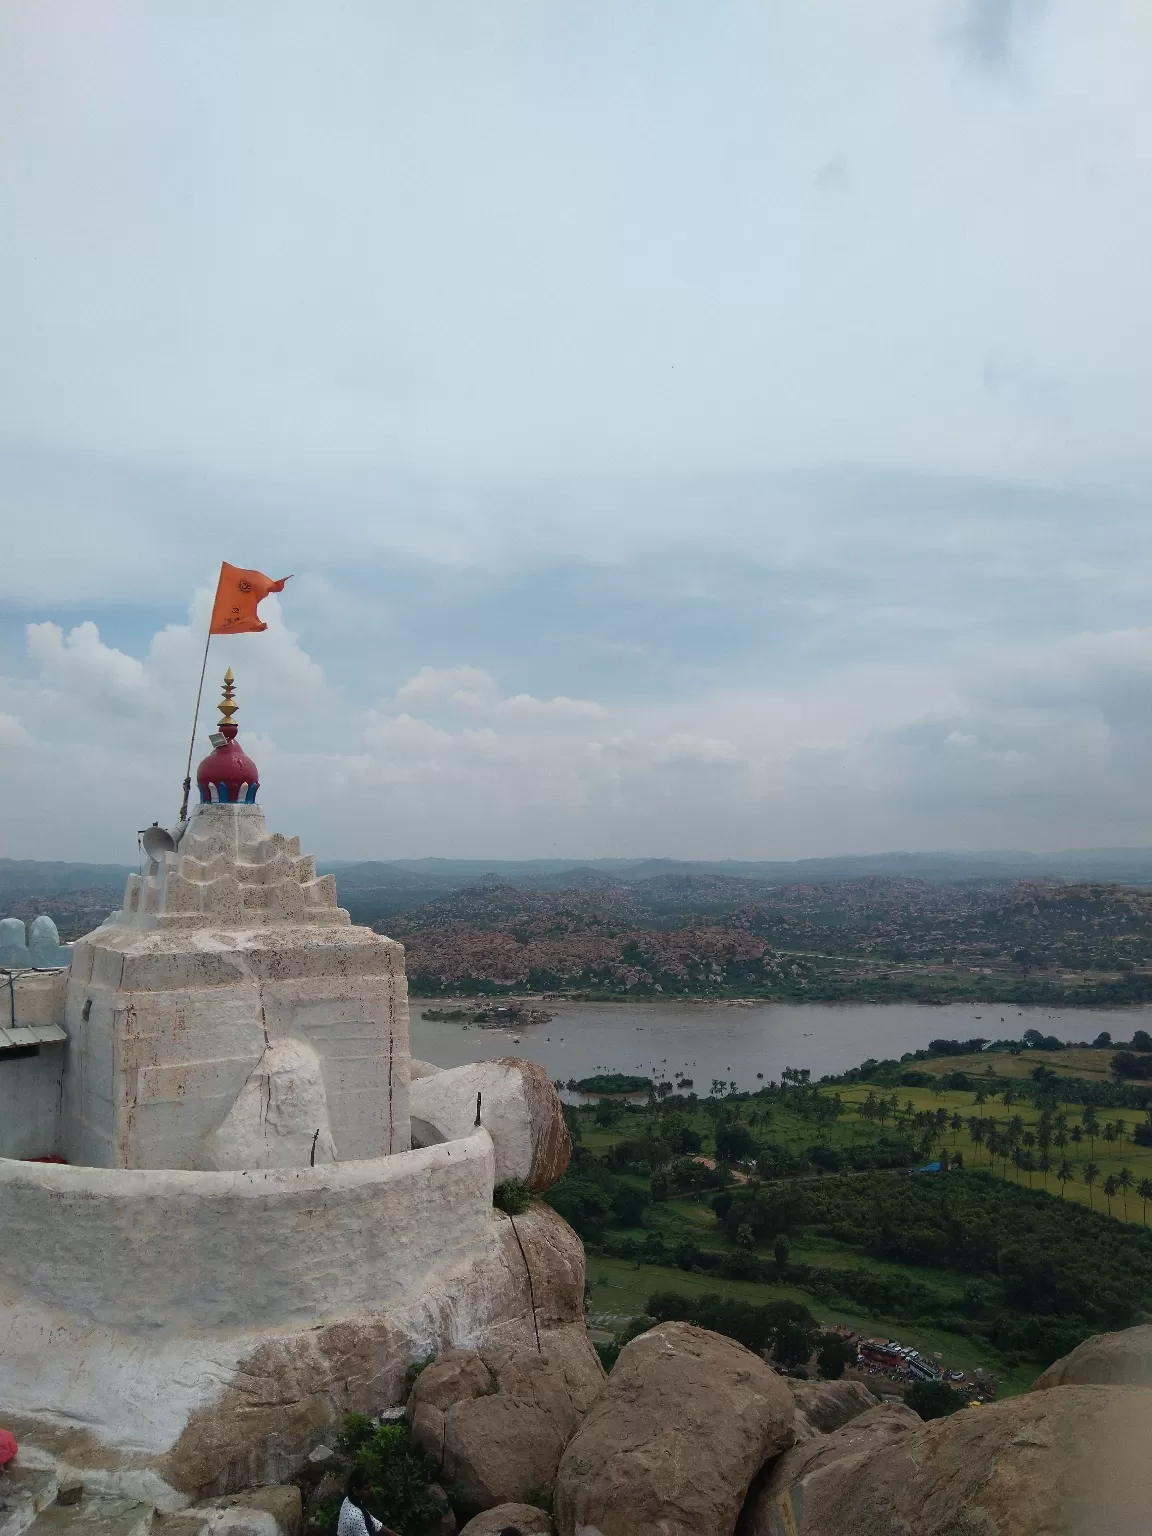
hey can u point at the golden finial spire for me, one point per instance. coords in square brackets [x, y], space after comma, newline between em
[227, 707]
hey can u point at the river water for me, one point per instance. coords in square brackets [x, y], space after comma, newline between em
[738, 1043]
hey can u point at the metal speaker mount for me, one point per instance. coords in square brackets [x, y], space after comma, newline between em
[157, 841]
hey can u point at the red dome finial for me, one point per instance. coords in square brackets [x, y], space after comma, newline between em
[227, 775]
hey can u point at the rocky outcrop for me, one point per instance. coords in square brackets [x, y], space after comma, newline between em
[1105, 1360]
[826, 1405]
[1070, 1462]
[273, 1511]
[771, 1506]
[673, 1441]
[519, 1107]
[497, 1422]
[525, 1518]
[24, 1492]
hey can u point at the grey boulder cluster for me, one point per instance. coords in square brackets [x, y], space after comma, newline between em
[693, 1435]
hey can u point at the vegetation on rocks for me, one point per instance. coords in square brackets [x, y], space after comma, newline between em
[512, 1196]
[403, 1491]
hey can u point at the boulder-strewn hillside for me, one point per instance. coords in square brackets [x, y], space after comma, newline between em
[709, 932]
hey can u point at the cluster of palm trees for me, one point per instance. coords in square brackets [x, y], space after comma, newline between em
[1029, 1151]
[1010, 1142]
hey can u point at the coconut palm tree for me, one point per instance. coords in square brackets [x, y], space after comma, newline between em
[1091, 1174]
[1091, 1123]
[1125, 1181]
[1066, 1171]
[1110, 1188]
[1144, 1190]
[1029, 1142]
[1045, 1166]
[1076, 1135]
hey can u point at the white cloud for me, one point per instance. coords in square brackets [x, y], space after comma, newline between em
[994, 746]
[461, 687]
[559, 708]
[476, 691]
[686, 748]
[13, 733]
[89, 673]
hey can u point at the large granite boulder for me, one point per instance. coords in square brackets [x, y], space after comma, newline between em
[826, 1405]
[769, 1508]
[525, 1518]
[497, 1422]
[1121, 1359]
[1071, 1462]
[673, 1441]
[519, 1107]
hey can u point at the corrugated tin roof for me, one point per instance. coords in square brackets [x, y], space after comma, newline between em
[30, 1034]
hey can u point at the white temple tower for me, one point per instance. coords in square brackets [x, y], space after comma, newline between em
[230, 1016]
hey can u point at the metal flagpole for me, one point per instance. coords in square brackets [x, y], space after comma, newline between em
[195, 723]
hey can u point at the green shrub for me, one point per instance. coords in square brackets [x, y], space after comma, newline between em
[512, 1196]
[786, 1326]
[402, 1490]
[833, 1355]
[609, 1353]
[933, 1399]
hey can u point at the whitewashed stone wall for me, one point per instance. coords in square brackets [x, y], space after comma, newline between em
[30, 1086]
[30, 1104]
[137, 1250]
[208, 1329]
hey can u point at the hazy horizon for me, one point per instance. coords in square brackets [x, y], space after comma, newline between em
[720, 430]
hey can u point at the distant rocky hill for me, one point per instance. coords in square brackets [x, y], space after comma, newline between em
[77, 897]
[43, 877]
[875, 937]
[618, 925]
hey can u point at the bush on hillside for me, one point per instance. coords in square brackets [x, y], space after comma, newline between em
[933, 1399]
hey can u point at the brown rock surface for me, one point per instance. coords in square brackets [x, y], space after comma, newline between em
[556, 1257]
[551, 1143]
[528, 1520]
[673, 1441]
[497, 1422]
[1071, 1462]
[768, 1509]
[1121, 1359]
[829, 1404]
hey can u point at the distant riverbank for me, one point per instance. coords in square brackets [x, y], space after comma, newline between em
[921, 986]
[748, 1045]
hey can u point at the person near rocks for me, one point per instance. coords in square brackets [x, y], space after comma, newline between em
[356, 1519]
[8, 1448]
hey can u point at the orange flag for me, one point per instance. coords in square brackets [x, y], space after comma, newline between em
[238, 595]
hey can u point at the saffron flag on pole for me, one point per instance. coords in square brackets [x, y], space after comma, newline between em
[238, 595]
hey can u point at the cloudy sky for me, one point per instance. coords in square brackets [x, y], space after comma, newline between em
[713, 430]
